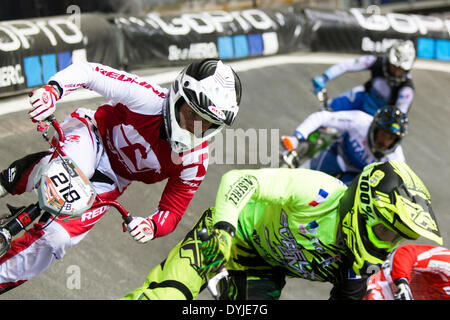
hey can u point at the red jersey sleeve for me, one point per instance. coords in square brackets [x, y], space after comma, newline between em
[180, 190]
[405, 257]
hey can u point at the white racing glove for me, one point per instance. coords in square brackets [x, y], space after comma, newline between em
[141, 229]
[42, 102]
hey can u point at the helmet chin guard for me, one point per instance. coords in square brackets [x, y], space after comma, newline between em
[391, 120]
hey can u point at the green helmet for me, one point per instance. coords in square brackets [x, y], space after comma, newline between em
[384, 205]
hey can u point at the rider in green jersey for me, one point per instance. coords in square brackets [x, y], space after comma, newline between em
[271, 223]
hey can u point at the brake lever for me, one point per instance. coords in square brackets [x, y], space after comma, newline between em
[43, 127]
[213, 283]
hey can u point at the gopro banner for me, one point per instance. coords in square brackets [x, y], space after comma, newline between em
[161, 40]
[31, 51]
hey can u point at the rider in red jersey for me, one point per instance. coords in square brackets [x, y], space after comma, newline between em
[144, 133]
[413, 271]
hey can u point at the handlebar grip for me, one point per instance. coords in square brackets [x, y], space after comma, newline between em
[128, 219]
[23, 219]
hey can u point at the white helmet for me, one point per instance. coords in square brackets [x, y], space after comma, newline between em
[213, 90]
[402, 54]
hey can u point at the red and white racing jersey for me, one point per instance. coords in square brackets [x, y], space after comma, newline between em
[131, 127]
[426, 267]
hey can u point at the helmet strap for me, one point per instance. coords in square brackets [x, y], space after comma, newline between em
[347, 201]
[166, 128]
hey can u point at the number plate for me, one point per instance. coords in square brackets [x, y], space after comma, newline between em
[63, 189]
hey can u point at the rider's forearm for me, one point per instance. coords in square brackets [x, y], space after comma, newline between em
[313, 122]
[165, 222]
[71, 78]
[350, 65]
[175, 199]
[115, 85]
[403, 261]
[405, 98]
[343, 121]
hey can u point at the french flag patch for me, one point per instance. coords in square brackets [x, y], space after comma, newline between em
[320, 198]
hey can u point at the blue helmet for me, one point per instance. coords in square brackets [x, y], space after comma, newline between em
[391, 120]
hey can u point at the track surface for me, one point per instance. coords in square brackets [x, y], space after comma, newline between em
[111, 263]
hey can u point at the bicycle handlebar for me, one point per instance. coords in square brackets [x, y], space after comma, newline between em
[322, 96]
[123, 212]
[25, 216]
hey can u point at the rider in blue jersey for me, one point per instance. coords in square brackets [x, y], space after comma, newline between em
[390, 82]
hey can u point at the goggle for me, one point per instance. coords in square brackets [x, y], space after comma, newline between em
[382, 238]
[384, 234]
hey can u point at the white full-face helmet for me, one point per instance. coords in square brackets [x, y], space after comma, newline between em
[402, 55]
[213, 90]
